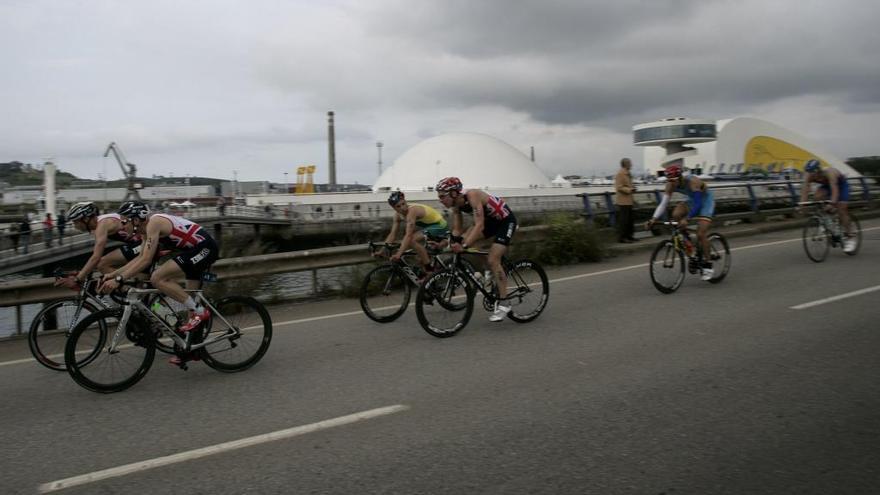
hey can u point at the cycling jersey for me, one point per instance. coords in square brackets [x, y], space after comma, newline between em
[702, 202]
[499, 220]
[200, 250]
[432, 222]
[842, 186]
[121, 234]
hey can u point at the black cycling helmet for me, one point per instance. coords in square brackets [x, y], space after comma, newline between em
[81, 211]
[396, 197]
[134, 209]
[812, 166]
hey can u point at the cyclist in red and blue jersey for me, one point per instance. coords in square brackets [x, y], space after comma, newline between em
[492, 219]
[699, 206]
[195, 250]
[834, 187]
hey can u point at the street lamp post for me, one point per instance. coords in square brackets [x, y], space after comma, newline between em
[286, 184]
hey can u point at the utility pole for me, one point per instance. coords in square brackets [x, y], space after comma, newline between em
[331, 151]
[379, 148]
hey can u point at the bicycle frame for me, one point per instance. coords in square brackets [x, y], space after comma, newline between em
[134, 301]
[406, 267]
[829, 221]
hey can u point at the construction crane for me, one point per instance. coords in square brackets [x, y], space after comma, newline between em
[128, 170]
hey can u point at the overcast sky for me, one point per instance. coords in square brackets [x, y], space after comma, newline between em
[212, 87]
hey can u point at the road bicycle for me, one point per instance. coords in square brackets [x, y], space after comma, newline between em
[824, 231]
[439, 305]
[112, 349]
[387, 289]
[51, 326]
[668, 265]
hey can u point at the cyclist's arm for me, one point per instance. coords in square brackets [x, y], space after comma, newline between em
[805, 189]
[477, 199]
[456, 222]
[143, 260]
[664, 202]
[97, 251]
[411, 218]
[697, 198]
[395, 224]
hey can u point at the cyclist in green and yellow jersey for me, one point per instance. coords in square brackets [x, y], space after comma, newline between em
[417, 216]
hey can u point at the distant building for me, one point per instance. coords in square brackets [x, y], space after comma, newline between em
[730, 147]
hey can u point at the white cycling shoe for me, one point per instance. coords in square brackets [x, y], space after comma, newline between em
[499, 313]
[706, 274]
[849, 245]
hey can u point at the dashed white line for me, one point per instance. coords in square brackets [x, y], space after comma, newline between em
[219, 448]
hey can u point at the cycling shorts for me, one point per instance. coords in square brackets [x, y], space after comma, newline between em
[436, 232]
[707, 209]
[196, 260]
[501, 230]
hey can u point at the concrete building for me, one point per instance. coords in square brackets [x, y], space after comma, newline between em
[480, 161]
[730, 146]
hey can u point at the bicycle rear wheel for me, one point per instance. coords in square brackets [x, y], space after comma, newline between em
[816, 240]
[247, 328]
[667, 267]
[109, 372]
[49, 330]
[528, 290]
[444, 303]
[855, 233]
[719, 255]
[385, 293]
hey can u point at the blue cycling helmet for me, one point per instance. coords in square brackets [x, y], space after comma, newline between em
[396, 197]
[812, 166]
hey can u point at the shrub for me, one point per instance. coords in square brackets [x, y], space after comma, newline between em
[569, 240]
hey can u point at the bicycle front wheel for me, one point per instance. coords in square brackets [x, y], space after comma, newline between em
[243, 329]
[667, 267]
[816, 240]
[855, 234]
[719, 255]
[49, 330]
[528, 291]
[385, 293]
[110, 370]
[444, 304]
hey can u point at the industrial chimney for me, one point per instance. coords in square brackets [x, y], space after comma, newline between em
[331, 145]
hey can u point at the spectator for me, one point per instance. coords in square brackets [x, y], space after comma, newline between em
[62, 220]
[221, 206]
[13, 236]
[48, 226]
[25, 233]
[623, 199]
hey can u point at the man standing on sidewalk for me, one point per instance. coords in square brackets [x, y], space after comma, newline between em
[623, 199]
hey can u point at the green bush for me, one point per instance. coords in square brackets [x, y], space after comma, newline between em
[569, 240]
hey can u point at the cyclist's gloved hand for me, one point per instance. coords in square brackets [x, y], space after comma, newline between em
[457, 247]
[396, 256]
[649, 224]
[70, 282]
[683, 223]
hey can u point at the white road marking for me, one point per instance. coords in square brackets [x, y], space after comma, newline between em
[836, 298]
[219, 448]
[555, 280]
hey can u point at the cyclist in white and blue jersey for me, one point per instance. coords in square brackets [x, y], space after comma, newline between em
[834, 188]
[699, 206]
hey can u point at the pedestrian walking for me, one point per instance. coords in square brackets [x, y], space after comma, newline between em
[25, 229]
[14, 234]
[47, 230]
[62, 221]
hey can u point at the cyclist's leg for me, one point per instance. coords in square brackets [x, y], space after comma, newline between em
[419, 248]
[111, 261]
[843, 207]
[165, 279]
[503, 235]
[704, 220]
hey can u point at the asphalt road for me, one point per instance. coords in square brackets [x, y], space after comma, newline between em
[616, 388]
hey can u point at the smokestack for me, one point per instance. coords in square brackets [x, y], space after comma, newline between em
[331, 148]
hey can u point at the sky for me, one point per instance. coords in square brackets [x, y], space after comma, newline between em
[227, 88]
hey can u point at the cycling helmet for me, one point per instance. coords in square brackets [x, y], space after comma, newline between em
[448, 184]
[673, 171]
[81, 211]
[812, 166]
[134, 209]
[396, 197]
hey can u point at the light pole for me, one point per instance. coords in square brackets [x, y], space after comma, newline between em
[379, 146]
[286, 184]
[187, 188]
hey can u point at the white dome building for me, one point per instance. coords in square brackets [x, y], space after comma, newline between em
[480, 161]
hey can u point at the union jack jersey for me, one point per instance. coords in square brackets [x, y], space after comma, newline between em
[495, 208]
[121, 234]
[184, 234]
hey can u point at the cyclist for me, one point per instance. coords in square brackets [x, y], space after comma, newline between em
[85, 218]
[834, 187]
[700, 206]
[432, 224]
[195, 252]
[492, 219]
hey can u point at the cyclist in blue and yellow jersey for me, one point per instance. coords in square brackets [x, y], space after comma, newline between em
[107, 227]
[832, 187]
[699, 206]
[492, 219]
[416, 216]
